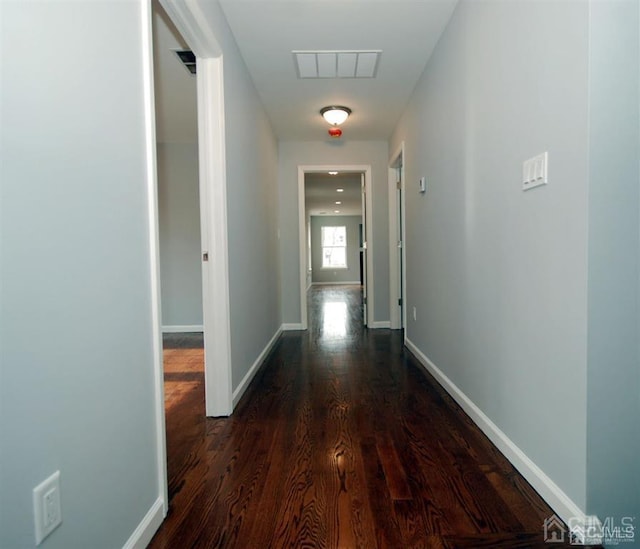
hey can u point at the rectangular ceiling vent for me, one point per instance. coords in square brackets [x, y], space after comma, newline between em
[188, 59]
[337, 64]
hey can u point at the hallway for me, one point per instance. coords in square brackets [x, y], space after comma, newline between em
[341, 441]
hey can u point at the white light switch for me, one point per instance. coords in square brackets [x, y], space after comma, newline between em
[535, 171]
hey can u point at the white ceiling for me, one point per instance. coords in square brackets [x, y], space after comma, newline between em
[321, 194]
[267, 31]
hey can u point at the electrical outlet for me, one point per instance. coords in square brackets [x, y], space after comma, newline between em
[415, 316]
[47, 510]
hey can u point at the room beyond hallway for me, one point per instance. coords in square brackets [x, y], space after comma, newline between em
[342, 440]
[335, 314]
[183, 363]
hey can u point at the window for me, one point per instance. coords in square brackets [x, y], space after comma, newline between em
[334, 247]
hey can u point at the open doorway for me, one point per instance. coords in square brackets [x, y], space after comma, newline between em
[397, 259]
[199, 35]
[178, 179]
[334, 210]
[179, 231]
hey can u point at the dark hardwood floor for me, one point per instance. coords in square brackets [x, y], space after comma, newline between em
[342, 440]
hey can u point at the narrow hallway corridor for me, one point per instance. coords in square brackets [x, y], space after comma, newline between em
[342, 440]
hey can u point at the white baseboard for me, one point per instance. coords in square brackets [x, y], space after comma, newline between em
[560, 502]
[142, 535]
[182, 328]
[378, 324]
[242, 387]
[291, 327]
[345, 283]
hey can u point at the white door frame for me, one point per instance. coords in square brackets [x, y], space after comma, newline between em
[365, 252]
[154, 252]
[193, 27]
[302, 233]
[396, 240]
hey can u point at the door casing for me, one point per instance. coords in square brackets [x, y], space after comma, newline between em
[397, 242]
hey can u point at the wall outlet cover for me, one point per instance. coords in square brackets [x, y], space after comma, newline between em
[47, 508]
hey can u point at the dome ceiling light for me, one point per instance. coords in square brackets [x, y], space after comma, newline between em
[335, 115]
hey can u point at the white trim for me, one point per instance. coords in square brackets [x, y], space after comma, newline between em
[338, 283]
[149, 525]
[302, 232]
[188, 18]
[379, 324]
[368, 244]
[154, 257]
[244, 384]
[394, 283]
[292, 327]
[302, 250]
[560, 502]
[213, 214]
[309, 277]
[182, 328]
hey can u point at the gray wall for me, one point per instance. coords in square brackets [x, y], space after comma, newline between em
[77, 389]
[498, 276]
[529, 302]
[179, 220]
[292, 154]
[613, 406]
[252, 207]
[352, 272]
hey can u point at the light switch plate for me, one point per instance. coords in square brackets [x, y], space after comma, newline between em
[422, 184]
[535, 171]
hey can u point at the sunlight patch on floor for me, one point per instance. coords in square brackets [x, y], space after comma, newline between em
[334, 319]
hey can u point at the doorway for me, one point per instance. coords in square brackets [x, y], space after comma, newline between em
[213, 205]
[179, 235]
[397, 258]
[178, 179]
[354, 182]
[335, 236]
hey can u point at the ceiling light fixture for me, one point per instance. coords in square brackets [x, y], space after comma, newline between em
[339, 190]
[333, 173]
[338, 202]
[335, 115]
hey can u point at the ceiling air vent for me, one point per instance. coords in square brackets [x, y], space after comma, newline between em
[337, 64]
[188, 59]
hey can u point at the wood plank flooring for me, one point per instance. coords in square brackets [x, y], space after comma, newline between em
[342, 441]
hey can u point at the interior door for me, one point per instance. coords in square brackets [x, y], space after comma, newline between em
[364, 249]
[400, 232]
